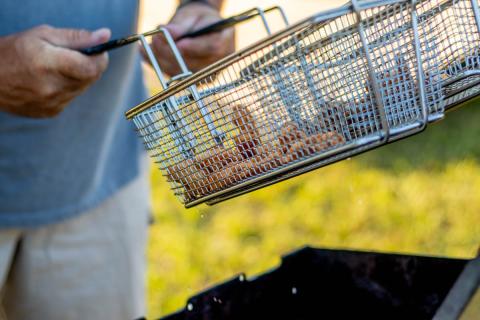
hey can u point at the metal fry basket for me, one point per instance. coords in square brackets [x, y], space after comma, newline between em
[334, 85]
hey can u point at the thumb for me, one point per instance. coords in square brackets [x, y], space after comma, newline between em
[78, 38]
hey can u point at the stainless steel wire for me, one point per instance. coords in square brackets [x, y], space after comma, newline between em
[334, 85]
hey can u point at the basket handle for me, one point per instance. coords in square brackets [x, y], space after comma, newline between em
[214, 27]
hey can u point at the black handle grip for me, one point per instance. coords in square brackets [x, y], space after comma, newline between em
[112, 44]
[217, 26]
[214, 27]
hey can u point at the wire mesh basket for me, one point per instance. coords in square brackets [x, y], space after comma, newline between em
[329, 87]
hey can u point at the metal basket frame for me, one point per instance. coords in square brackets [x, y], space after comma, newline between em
[394, 83]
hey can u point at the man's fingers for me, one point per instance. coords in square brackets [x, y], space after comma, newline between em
[182, 26]
[213, 45]
[75, 38]
[75, 65]
[163, 52]
[160, 42]
[176, 31]
[197, 52]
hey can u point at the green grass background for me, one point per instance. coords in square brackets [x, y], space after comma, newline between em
[419, 195]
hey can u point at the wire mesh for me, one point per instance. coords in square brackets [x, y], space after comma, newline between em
[325, 90]
[450, 34]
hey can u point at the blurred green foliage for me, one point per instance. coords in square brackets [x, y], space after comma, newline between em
[419, 195]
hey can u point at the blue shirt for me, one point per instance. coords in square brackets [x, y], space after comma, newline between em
[52, 169]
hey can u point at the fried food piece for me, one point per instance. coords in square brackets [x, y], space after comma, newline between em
[179, 171]
[245, 170]
[216, 158]
[248, 138]
[243, 119]
[290, 133]
[246, 145]
[196, 188]
[236, 172]
[267, 159]
[296, 151]
[218, 180]
[228, 176]
[291, 142]
[311, 144]
[323, 141]
[187, 173]
[218, 168]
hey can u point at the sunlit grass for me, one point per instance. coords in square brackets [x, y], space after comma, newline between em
[420, 195]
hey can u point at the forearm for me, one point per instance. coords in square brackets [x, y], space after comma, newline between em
[215, 3]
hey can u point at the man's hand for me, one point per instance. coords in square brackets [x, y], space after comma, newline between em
[198, 52]
[40, 72]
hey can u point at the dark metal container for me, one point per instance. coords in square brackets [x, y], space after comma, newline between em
[340, 284]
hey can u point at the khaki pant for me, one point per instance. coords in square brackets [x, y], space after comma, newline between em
[88, 267]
